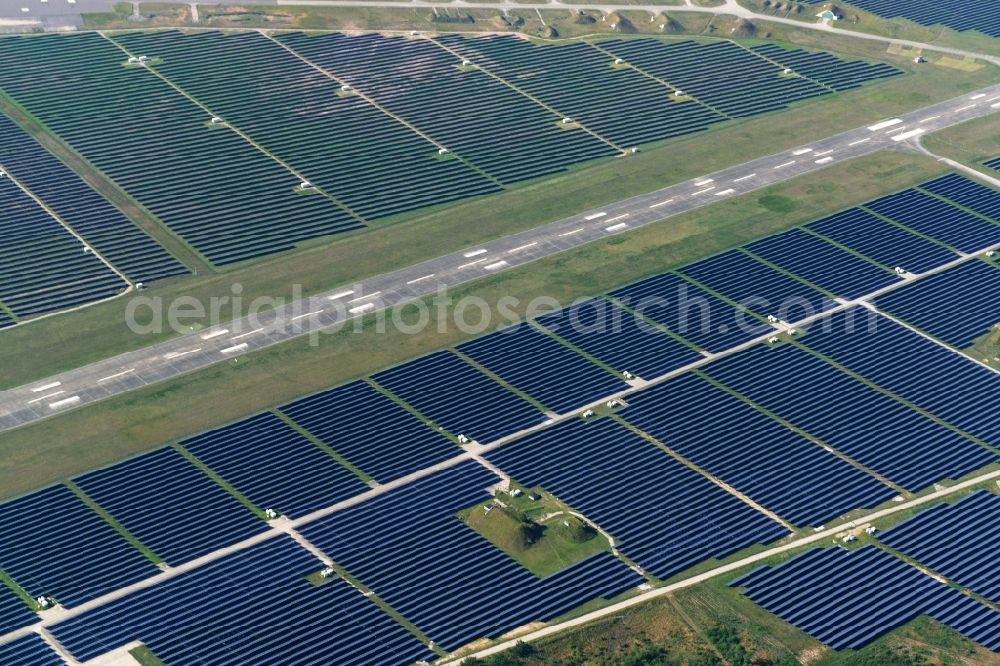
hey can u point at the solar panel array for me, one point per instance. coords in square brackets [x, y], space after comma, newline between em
[30, 650]
[274, 466]
[826, 68]
[548, 371]
[43, 268]
[250, 607]
[848, 598]
[484, 121]
[124, 244]
[959, 541]
[724, 75]
[853, 418]
[758, 287]
[619, 338]
[774, 466]
[946, 384]
[371, 431]
[938, 219]
[978, 15]
[968, 193]
[827, 266]
[664, 515]
[209, 185]
[578, 80]
[170, 505]
[956, 305]
[993, 163]
[14, 614]
[53, 545]
[409, 547]
[459, 398]
[374, 164]
[694, 313]
[882, 241]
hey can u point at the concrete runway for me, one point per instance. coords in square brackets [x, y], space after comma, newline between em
[194, 351]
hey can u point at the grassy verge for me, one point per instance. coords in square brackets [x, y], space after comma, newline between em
[66, 341]
[171, 411]
[145, 657]
[969, 143]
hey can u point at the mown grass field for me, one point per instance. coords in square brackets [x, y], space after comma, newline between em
[52, 344]
[81, 440]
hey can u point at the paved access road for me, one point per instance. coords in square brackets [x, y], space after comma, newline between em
[198, 350]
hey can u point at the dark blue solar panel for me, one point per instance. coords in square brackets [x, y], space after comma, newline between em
[945, 383]
[848, 598]
[371, 431]
[957, 305]
[825, 265]
[938, 219]
[758, 287]
[548, 371]
[965, 192]
[460, 398]
[691, 312]
[960, 541]
[170, 505]
[664, 515]
[274, 466]
[43, 267]
[52, 544]
[451, 583]
[14, 614]
[993, 163]
[124, 244]
[827, 68]
[978, 15]
[853, 418]
[30, 650]
[774, 466]
[882, 241]
[250, 607]
[619, 338]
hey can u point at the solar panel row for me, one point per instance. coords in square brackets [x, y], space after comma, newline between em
[619, 338]
[959, 540]
[848, 598]
[43, 268]
[664, 515]
[170, 505]
[993, 163]
[463, 108]
[53, 545]
[968, 193]
[691, 312]
[537, 364]
[827, 266]
[978, 15]
[826, 68]
[937, 219]
[882, 241]
[850, 416]
[956, 305]
[409, 547]
[14, 614]
[30, 650]
[274, 466]
[124, 244]
[254, 606]
[579, 81]
[459, 398]
[774, 466]
[209, 185]
[948, 385]
[371, 431]
[724, 75]
[372, 163]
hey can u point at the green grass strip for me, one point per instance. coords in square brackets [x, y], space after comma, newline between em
[111, 520]
[225, 485]
[316, 441]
